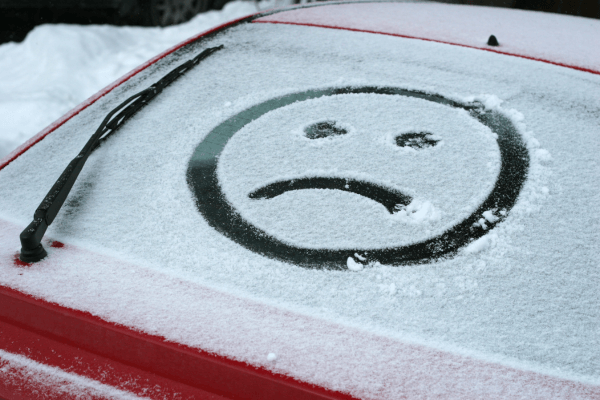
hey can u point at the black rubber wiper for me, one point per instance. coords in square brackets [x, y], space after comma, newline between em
[31, 238]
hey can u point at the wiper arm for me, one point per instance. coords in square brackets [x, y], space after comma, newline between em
[31, 238]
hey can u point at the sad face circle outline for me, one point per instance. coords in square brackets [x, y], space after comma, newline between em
[222, 215]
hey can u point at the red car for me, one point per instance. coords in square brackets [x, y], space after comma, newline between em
[337, 200]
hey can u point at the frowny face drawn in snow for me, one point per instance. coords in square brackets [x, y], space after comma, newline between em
[383, 175]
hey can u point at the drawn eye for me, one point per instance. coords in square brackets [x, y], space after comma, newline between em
[324, 129]
[416, 140]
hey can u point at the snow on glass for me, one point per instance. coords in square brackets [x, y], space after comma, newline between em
[524, 294]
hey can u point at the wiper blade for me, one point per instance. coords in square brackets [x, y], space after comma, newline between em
[31, 237]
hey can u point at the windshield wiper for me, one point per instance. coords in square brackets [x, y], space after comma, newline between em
[31, 237]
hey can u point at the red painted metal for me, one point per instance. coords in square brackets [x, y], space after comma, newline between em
[18, 261]
[591, 71]
[83, 332]
[39, 348]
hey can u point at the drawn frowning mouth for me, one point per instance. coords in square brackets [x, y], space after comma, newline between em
[391, 199]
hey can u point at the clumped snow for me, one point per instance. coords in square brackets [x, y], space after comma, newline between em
[418, 211]
[490, 216]
[483, 243]
[353, 265]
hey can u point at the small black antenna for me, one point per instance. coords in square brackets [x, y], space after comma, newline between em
[492, 41]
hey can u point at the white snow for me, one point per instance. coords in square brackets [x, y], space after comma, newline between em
[34, 377]
[359, 257]
[543, 155]
[447, 182]
[271, 356]
[58, 66]
[418, 211]
[490, 216]
[557, 38]
[524, 295]
[481, 223]
[483, 243]
[389, 289]
[353, 265]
